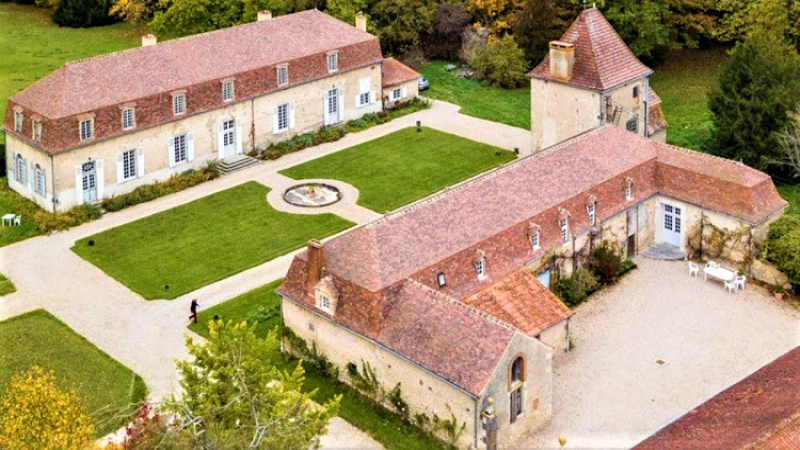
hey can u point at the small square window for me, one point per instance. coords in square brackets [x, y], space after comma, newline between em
[18, 118]
[396, 94]
[363, 98]
[37, 130]
[87, 129]
[128, 118]
[441, 280]
[179, 104]
[333, 62]
[227, 91]
[283, 76]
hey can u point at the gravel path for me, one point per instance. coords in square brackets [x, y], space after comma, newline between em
[149, 336]
[611, 393]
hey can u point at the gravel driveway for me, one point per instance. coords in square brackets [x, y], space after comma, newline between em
[610, 392]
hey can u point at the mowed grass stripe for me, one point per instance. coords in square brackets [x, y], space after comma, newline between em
[180, 250]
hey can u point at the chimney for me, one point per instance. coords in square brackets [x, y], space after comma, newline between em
[316, 259]
[361, 21]
[264, 15]
[562, 60]
[148, 40]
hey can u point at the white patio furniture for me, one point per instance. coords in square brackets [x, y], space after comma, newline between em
[9, 219]
[740, 281]
[18, 220]
[711, 265]
[718, 273]
[730, 286]
[694, 269]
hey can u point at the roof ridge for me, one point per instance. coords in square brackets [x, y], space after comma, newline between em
[454, 301]
[705, 155]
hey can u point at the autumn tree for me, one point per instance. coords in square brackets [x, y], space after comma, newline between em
[37, 414]
[692, 21]
[449, 22]
[402, 24]
[134, 12]
[642, 24]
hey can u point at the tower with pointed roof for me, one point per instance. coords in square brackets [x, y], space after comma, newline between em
[589, 79]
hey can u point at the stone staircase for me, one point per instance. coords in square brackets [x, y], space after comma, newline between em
[236, 162]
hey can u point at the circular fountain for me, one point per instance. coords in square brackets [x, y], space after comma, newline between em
[312, 195]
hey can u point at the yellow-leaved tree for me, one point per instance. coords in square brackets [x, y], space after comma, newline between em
[35, 413]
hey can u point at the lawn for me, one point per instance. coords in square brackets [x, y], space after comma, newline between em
[478, 99]
[105, 385]
[683, 81]
[177, 251]
[33, 46]
[384, 426]
[404, 166]
[11, 202]
[6, 286]
[792, 195]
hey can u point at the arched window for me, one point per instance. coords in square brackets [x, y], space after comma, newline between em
[518, 370]
[516, 377]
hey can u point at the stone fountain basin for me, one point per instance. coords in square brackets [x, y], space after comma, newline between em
[312, 195]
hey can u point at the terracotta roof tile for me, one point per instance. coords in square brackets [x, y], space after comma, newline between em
[762, 411]
[395, 72]
[128, 75]
[522, 301]
[602, 60]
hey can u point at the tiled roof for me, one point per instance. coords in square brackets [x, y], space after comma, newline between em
[128, 75]
[395, 72]
[522, 301]
[444, 336]
[602, 60]
[762, 411]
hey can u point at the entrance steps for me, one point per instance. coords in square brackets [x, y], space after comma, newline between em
[236, 162]
[664, 251]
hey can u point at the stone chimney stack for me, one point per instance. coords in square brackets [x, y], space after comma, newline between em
[361, 21]
[562, 60]
[264, 15]
[316, 259]
[148, 40]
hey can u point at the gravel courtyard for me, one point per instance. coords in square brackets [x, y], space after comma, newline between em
[610, 392]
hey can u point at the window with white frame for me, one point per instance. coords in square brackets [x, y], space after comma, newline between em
[37, 130]
[333, 62]
[591, 210]
[536, 237]
[396, 94]
[441, 280]
[128, 165]
[128, 118]
[18, 118]
[480, 268]
[38, 181]
[227, 91]
[564, 224]
[21, 169]
[87, 129]
[324, 303]
[363, 98]
[283, 76]
[179, 144]
[179, 104]
[629, 191]
[283, 117]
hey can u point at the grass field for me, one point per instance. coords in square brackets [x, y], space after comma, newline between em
[477, 99]
[33, 46]
[105, 385]
[792, 195]
[11, 202]
[385, 427]
[177, 251]
[404, 166]
[6, 286]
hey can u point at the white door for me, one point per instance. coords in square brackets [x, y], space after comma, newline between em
[332, 107]
[228, 138]
[672, 225]
[89, 182]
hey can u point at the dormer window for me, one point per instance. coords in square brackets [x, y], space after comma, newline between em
[86, 129]
[179, 104]
[18, 118]
[227, 91]
[628, 189]
[283, 75]
[325, 303]
[440, 280]
[333, 62]
[480, 264]
[592, 216]
[564, 225]
[536, 240]
[128, 118]
[326, 295]
[37, 130]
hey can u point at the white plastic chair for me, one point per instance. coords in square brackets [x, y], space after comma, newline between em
[740, 282]
[730, 286]
[18, 220]
[694, 269]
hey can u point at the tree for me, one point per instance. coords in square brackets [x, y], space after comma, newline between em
[758, 91]
[790, 144]
[642, 24]
[134, 12]
[742, 17]
[83, 13]
[35, 413]
[233, 397]
[252, 7]
[449, 22]
[187, 17]
[401, 24]
[692, 21]
[540, 22]
[505, 63]
[782, 243]
[346, 10]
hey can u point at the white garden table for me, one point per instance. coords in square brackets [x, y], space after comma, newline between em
[719, 273]
[9, 218]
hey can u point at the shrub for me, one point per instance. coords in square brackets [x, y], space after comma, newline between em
[605, 263]
[626, 267]
[83, 13]
[783, 242]
[577, 288]
[48, 222]
[357, 125]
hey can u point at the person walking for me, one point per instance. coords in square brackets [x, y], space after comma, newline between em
[193, 308]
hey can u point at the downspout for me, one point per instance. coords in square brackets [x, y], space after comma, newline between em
[646, 107]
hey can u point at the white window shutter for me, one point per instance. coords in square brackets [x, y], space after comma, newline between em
[363, 85]
[139, 162]
[373, 97]
[291, 115]
[238, 136]
[190, 146]
[275, 120]
[101, 178]
[404, 92]
[171, 152]
[358, 100]
[341, 105]
[120, 168]
[79, 183]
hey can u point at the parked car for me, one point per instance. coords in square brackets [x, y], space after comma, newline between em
[423, 83]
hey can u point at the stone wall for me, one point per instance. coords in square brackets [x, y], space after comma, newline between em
[559, 112]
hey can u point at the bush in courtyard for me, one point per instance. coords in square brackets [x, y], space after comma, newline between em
[783, 247]
[83, 13]
[577, 288]
[48, 222]
[605, 263]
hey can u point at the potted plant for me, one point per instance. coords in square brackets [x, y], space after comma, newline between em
[777, 291]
